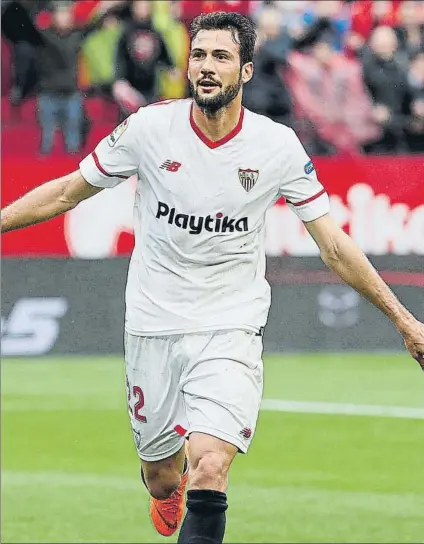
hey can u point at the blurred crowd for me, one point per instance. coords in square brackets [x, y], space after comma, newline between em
[347, 75]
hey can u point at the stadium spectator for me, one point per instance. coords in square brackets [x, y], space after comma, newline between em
[266, 93]
[336, 17]
[141, 53]
[59, 100]
[331, 102]
[415, 127]
[98, 55]
[18, 28]
[385, 77]
[367, 15]
[58, 41]
[167, 20]
[410, 32]
[191, 8]
[416, 77]
[291, 14]
[45, 61]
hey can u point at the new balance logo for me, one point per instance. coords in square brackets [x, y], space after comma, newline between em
[170, 166]
[246, 433]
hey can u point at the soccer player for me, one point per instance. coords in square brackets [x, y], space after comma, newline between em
[196, 298]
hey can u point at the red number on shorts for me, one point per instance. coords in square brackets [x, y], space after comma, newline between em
[137, 392]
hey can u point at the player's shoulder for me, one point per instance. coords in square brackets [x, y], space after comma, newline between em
[263, 130]
[162, 112]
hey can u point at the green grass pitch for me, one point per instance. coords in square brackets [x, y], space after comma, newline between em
[70, 471]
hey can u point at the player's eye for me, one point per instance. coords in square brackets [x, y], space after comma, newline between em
[196, 54]
[221, 56]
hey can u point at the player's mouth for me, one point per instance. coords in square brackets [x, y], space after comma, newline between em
[207, 85]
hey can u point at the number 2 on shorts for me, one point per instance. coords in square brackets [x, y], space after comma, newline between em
[138, 393]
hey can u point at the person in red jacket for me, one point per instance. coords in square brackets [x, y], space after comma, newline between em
[330, 100]
[366, 16]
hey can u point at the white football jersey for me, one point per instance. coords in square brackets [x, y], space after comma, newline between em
[199, 259]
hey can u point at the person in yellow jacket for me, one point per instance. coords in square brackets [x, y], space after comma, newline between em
[166, 19]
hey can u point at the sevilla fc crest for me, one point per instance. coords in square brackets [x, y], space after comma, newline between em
[248, 178]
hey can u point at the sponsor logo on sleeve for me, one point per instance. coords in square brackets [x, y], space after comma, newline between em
[117, 133]
[309, 168]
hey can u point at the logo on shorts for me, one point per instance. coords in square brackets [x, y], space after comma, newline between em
[248, 178]
[137, 438]
[246, 433]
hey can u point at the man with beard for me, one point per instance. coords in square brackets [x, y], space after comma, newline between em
[197, 298]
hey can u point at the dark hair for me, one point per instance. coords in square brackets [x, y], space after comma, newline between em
[242, 30]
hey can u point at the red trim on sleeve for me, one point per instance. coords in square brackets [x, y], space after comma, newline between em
[103, 171]
[310, 199]
[223, 140]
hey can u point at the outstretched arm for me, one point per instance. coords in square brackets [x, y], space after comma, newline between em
[343, 256]
[114, 160]
[47, 201]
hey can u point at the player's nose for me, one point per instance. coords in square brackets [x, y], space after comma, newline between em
[208, 66]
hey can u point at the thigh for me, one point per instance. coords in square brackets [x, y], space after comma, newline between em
[155, 401]
[222, 387]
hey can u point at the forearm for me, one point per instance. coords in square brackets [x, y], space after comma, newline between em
[350, 263]
[45, 202]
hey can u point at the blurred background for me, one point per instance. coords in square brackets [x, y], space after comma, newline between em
[349, 76]
[338, 451]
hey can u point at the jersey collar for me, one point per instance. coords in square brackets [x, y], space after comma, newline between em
[223, 140]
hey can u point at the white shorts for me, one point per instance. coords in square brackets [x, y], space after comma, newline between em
[210, 383]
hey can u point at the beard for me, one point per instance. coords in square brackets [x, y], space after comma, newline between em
[211, 105]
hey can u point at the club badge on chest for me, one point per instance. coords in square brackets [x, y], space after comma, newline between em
[248, 178]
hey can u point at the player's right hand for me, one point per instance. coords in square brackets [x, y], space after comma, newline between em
[414, 341]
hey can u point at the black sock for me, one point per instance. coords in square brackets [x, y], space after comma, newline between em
[205, 519]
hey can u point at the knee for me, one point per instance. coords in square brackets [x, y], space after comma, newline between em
[162, 490]
[209, 472]
[162, 483]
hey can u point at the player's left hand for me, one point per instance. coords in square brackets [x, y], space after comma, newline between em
[414, 341]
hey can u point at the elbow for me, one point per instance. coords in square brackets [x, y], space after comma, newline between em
[67, 197]
[66, 205]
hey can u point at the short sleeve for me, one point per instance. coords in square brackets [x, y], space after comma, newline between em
[116, 158]
[299, 184]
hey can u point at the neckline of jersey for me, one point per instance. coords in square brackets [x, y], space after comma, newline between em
[222, 141]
